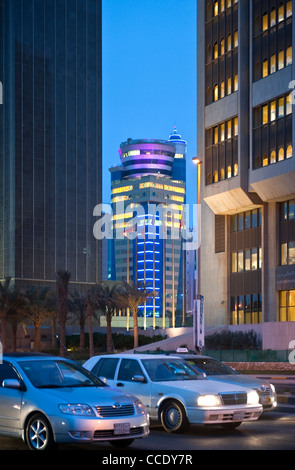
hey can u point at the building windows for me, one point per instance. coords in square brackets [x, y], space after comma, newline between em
[221, 31]
[287, 305]
[272, 132]
[249, 259]
[272, 37]
[246, 309]
[222, 151]
[288, 253]
[288, 210]
[245, 220]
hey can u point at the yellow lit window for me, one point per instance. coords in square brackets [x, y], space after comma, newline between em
[221, 5]
[216, 9]
[265, 160]
[273, 60]
[229, 85]
[216, 135]
[120, 198]
[215, 176]
[174, 188]
[222, 134]
[177, 198]
[228, 46]
[228, 3]
[229, 129]
[289, 58]
[265, 68]
[150, 185]
[273, 111]
[236, 126]
[124, 189]
[265, 114]
[289, 153]
[128, 215]
[289, 9]
[265, 22]
[236, 39]
[215, 49]
[281, 154]
[289, 108]
[222, 90]
[273, 157]
[236, 82]
[281, 61]
[273, 18]
[178, 155]
[222, 174]
[222, 50]
[281, 110]
[236, 169]
[281, 13]
[216, 93]
[229, 171]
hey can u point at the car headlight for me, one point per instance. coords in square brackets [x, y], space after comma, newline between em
[208, 400]
[77, 409]
[139, 407]
[252, 398]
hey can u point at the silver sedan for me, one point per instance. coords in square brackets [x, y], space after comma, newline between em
[47, 400]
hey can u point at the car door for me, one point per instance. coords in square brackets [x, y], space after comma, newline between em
[105, 368]
[132, 379]
[10, 402]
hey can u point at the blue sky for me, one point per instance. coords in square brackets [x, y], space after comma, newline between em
[149, 77]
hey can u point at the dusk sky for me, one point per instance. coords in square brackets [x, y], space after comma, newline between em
[149, 77]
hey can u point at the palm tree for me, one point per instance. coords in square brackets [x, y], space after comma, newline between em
[108, 302]
[78, 305]
[37, 310]
[9, 300]
[133, 295]
[62, 286]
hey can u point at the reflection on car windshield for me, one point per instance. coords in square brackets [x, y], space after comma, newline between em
[211, 367]
[57, 373]
[169, 369]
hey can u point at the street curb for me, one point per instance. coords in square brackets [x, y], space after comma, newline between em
[286, 403]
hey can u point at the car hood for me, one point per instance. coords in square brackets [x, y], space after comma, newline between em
[93, 396]
[202, 387]
[240, 379]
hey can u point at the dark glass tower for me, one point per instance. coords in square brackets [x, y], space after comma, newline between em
[50, 139]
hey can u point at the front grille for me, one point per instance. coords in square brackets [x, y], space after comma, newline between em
[265, 392]
[234, 398]
[109, 433]
[115, 411]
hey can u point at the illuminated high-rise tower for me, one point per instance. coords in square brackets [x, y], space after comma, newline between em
[148, 196]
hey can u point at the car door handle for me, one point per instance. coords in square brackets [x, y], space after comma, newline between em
[120, 384]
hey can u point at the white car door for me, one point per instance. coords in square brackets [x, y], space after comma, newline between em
[10, 402]
[132, 379]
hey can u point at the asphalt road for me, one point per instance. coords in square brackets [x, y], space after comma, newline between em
[273, 431]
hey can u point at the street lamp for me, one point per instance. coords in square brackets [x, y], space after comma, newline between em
[198, 328]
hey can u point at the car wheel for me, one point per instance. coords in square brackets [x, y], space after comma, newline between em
[39, 435]
[173, 417]
[231, 425]
[121, 442]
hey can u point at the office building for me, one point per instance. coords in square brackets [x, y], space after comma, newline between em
[50, 139]
[245, 140]
[148, 197]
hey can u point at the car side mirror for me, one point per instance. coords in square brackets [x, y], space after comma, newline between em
[139, 378]
[12, 383]
[103, 379]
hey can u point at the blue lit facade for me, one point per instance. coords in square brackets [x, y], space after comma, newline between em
[151, 174]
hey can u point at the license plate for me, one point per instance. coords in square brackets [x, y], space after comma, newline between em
[238, 415]
[121, 428]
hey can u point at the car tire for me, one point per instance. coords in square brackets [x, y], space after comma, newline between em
[173, 417]
[38, 433]
[121, 442]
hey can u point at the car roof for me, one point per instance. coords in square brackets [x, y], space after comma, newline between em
[23, 356]
[138, 356]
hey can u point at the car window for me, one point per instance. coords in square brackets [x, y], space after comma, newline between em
[105, 368]
[169, 369]
[128, 369]
[7, 372]
[211, 366]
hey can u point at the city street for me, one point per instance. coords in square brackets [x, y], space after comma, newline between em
[273, 431]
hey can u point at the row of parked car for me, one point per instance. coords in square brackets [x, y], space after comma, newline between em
[47, 400]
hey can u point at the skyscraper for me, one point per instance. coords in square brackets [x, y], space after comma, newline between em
[50, 139]
[245, 141]
[148, 196]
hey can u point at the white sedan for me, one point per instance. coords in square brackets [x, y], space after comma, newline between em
[174, 393]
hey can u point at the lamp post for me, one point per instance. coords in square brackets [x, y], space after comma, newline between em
[198, 318]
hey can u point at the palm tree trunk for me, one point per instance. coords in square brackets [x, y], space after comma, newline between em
[82, 333]
[90, 329]
[53, 332]
[135, 328]
[109, 332]
[37, 338]
[14, 331]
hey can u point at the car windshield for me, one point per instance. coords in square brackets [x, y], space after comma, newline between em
[169, 369]
[211, 366]
[53, 373]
